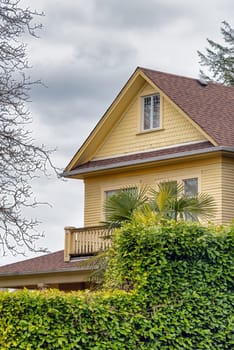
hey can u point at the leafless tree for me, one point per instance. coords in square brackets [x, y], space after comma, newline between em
[20, 158]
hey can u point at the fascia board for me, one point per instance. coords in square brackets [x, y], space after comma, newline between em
[149, 160]
[101, 125]
[32, 273]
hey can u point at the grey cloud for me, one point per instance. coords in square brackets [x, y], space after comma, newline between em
[77, 92]
[136, 14]
[111, 14]
[105, 53]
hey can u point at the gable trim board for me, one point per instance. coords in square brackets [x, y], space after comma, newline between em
[200, 105]
[116, 109]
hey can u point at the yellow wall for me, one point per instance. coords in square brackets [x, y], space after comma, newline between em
[228, 189]
[127, 136]
[209, 173]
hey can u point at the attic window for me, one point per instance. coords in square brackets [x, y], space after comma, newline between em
[151, 112]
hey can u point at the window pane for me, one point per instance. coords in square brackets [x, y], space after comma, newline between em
[170, 187]
[191, 189]
[156, 111]
[191, 186]
[111, 192]
[147, 112]
[151, 112]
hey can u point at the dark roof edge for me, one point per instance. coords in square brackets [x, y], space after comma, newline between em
[30, 273]
[148, 160]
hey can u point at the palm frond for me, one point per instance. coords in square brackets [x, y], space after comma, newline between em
[201, 205]
[163, 198]
[170, 202]
[120, 206]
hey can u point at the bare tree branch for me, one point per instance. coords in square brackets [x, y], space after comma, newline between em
[21, 160]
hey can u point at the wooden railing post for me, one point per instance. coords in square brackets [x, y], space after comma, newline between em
[85, 241]
[67, 243]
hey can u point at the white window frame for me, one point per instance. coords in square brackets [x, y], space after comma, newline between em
[151, 112]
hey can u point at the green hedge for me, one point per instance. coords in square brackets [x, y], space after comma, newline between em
[179, 294]
[185, 274]
[172, 258]
[55, 320]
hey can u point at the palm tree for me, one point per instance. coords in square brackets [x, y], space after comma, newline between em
[120, 206]
[170, 201]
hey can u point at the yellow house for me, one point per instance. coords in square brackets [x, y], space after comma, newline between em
[160, 127]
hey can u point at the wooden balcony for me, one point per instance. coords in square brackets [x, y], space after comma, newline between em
[85, 241]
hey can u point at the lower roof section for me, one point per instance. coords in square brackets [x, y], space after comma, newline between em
[48, 270]
[138, 159]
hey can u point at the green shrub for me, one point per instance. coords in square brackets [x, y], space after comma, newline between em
[171, 258]
[54, 320]
[185, 275]
[179, 294]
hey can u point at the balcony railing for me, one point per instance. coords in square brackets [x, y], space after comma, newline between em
[85, 241]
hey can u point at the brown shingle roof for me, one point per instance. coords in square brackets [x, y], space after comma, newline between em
[144, 157]
[53, 262]
[211, 106]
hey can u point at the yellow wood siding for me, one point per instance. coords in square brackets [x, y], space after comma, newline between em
[211, 182]
[207, 171]
[126, 136]
[92, 203]
[227, 190]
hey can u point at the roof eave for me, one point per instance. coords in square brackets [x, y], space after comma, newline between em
[123, 164]
[32, 273]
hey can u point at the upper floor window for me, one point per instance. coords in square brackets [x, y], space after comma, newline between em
[191, 189]
[191, 186]
[151, 112]
[111, 193]
[130, 190]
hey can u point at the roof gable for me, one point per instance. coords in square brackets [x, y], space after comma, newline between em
[127, 137]
[210, 108]
[108, 120]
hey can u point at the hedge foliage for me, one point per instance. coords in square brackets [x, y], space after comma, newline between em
[55, 320]
[185, 275]
[172, 258]
[179, 294]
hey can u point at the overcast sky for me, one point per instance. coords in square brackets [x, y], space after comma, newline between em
[86, 51]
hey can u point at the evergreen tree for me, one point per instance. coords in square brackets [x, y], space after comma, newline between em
[219, 59]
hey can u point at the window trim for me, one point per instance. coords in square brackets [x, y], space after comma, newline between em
[151, 113]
